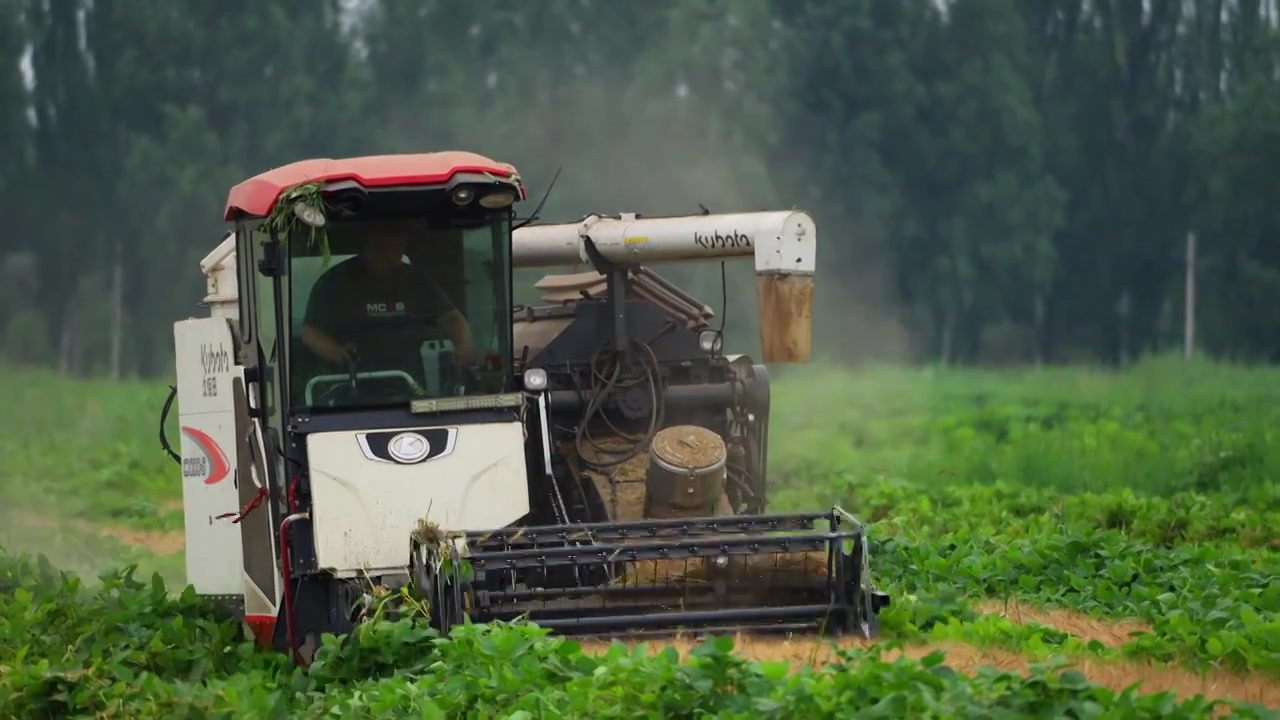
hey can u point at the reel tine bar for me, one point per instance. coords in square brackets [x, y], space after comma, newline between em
[757, 573]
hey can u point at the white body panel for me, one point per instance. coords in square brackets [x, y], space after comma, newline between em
[206, 419]
[364, 508]
[222, 285]
[781, 241]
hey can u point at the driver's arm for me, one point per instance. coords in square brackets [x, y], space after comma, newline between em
[449, 318]
[322, 344]
[459, 331]
[321, 308]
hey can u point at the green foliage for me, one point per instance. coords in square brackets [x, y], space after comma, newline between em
[66, 650]
[88, 450]
[132, 650]
[1148, 495]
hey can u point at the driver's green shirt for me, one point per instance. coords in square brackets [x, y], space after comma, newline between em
[386, 317]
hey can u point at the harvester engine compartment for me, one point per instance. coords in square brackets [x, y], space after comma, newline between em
[670, 373]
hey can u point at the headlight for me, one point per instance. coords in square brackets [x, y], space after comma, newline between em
[497, 200]
[308, 214]
[535, 379]
[463, 195]
[710, 341]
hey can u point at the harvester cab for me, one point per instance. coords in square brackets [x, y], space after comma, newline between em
[365, 408]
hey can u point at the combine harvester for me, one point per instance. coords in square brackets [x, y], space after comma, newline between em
[364, 408]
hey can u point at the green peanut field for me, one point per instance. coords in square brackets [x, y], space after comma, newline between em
[1058, 543]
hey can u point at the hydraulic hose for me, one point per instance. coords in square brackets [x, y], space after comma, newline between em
[164, 416]
[601, 387]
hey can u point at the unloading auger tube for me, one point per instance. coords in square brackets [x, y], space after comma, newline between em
[783, 243]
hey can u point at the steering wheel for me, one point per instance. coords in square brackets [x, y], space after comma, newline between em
[353, 388]
[353, 371]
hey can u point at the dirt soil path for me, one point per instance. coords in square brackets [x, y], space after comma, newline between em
[156, 542]
[1117, 675]
[1112, 633]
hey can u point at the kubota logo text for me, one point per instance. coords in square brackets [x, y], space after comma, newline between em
[211, 465]
[731, 239]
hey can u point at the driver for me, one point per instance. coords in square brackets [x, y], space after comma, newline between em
[358, 307]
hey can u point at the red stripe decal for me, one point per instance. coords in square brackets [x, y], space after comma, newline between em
[219, 466]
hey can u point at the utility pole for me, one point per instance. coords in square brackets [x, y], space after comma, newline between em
[1189, 311]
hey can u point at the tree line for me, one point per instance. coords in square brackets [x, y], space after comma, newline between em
[993, 180]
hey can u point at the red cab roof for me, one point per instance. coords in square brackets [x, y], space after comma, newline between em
[256, 195]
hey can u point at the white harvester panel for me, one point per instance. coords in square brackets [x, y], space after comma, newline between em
[206, 419]
[369, 489]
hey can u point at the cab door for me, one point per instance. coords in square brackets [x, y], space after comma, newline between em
[258, 420]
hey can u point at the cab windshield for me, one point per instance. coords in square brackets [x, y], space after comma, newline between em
[399, 310]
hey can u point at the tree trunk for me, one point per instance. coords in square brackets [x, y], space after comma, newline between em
[946, 337]
[1038, 331]
[1124, 336]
